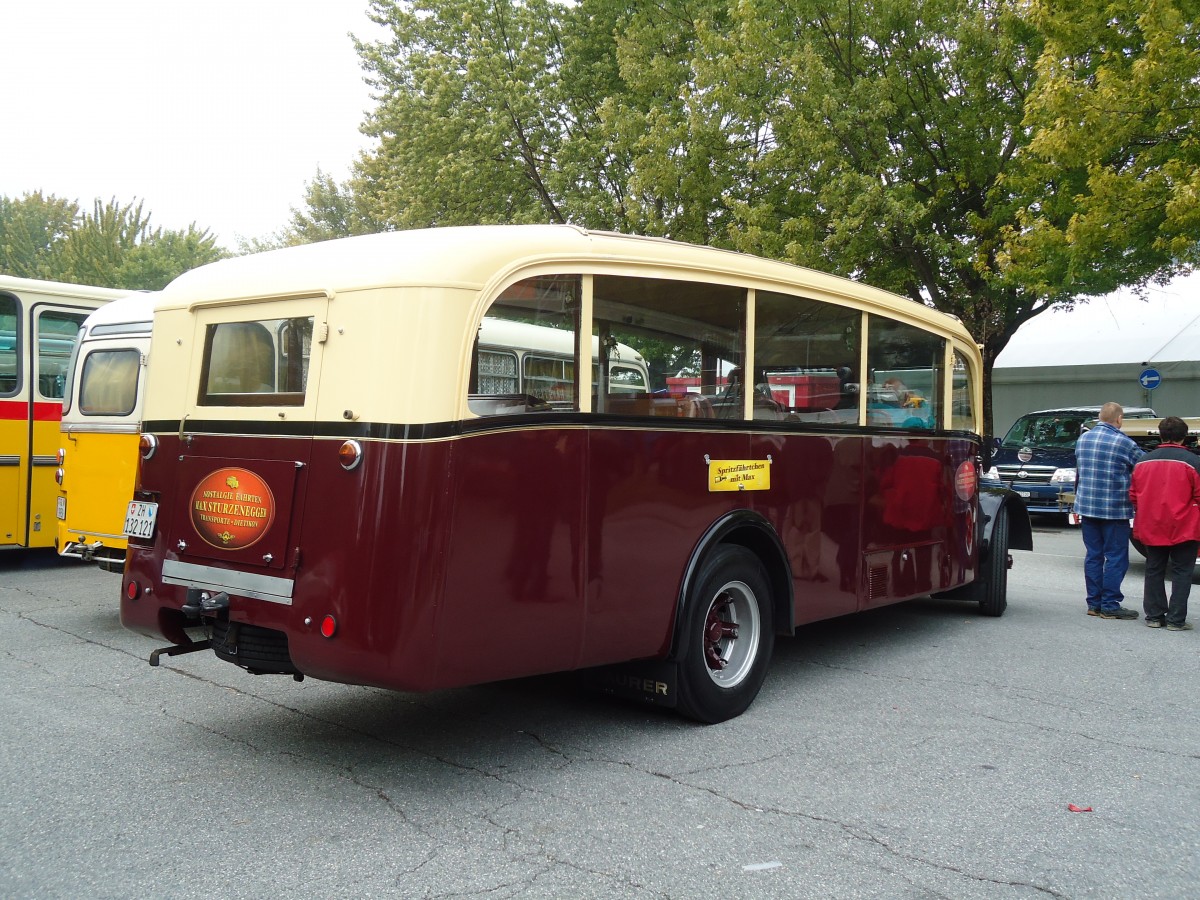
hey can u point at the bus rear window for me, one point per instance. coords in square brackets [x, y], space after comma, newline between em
[262, 363]
[108, 386]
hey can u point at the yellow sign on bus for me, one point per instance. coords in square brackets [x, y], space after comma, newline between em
[739, 474]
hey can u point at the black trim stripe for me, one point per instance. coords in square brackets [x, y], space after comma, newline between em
[442, 430]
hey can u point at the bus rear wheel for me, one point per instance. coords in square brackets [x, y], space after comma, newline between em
[727, 636]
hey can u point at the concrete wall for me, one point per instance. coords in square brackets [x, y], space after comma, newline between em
[1018, 390]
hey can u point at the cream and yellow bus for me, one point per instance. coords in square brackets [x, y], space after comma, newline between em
[101, 422]
[334, 483]
[39, 321]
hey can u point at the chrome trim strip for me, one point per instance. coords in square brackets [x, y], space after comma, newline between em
[244, 584]
[10, 460]
[45, 460]
[89, 428]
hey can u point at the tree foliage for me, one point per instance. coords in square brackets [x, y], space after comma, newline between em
[114, 245]
[330, 210]
[990, 158]
[1117, 104]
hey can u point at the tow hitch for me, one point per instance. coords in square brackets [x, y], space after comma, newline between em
[198, 603]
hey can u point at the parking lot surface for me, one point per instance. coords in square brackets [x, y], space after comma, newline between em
[916, 751]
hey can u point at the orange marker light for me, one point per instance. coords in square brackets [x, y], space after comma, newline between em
[350, 454]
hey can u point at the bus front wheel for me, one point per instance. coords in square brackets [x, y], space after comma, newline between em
[993, 579]
[727, 637]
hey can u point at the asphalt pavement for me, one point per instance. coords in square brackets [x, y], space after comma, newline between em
[919, 751]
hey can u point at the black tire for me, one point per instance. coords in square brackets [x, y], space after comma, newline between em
[726, 637]
[260, 650]
[992, 585]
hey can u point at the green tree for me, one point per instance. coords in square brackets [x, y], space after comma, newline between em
[469, 112]
[878, 141]
[943, 149]
[330, 210]
[32, 231]
[1117, 106]
[112, 246]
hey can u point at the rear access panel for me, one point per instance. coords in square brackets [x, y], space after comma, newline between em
[236, 511]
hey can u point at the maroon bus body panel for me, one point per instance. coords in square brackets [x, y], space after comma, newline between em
[520, 551]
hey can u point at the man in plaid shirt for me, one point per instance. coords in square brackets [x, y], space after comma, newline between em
[1104, 460]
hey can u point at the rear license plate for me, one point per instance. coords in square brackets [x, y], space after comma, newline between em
[1024, 494]
[61, 509]
[140, 518]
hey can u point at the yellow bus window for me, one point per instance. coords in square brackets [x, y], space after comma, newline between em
[56, 333]
[8, 344]
[108, 385]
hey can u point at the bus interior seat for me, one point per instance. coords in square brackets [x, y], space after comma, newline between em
[686, 407]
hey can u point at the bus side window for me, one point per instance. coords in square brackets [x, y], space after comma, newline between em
[527, 349]
[688, 334]
[907, 367]
[807, 352]
[56, 333]
[8, 344]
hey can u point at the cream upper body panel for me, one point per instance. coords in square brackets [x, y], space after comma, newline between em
[395, 314]
[36, 290]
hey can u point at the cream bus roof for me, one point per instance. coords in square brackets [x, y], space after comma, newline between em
[471, 257]
[58, 288]
[135, 307]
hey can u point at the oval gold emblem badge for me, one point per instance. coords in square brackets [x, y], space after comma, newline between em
[232, 508]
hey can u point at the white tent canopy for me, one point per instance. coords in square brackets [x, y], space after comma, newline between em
[1116, 328]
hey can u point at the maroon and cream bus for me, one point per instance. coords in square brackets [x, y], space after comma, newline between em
[340, 478]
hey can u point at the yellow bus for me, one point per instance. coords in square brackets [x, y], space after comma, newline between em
[339, 480]
[101, 420]
[39, 321]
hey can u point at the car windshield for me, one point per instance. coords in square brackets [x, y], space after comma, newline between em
[1047, 431]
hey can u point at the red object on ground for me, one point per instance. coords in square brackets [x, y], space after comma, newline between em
[1073, 808]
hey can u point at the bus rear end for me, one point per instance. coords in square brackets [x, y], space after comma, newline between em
[102, 413]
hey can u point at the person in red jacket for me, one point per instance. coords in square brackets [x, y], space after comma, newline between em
[1166, 497]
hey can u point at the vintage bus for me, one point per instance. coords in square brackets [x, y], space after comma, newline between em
[39, 321]
[331, 484]
[101, 423]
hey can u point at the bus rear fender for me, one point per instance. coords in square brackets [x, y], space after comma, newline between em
[748, 529]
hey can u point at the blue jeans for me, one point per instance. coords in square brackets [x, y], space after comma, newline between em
[1107, 560]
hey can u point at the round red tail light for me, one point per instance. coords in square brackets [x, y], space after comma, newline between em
[147, 444]
[328, 626]
[131, 589]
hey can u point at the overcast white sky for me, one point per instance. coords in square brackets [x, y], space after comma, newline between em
[215, 113]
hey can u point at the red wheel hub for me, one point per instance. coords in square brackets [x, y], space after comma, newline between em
[716, 630]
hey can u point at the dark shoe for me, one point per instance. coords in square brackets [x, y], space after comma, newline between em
[1155, 623]
[1119, 613]
[1183, 626]
[1093, 611]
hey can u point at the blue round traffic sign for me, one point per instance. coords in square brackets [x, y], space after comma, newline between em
[1150, 379]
